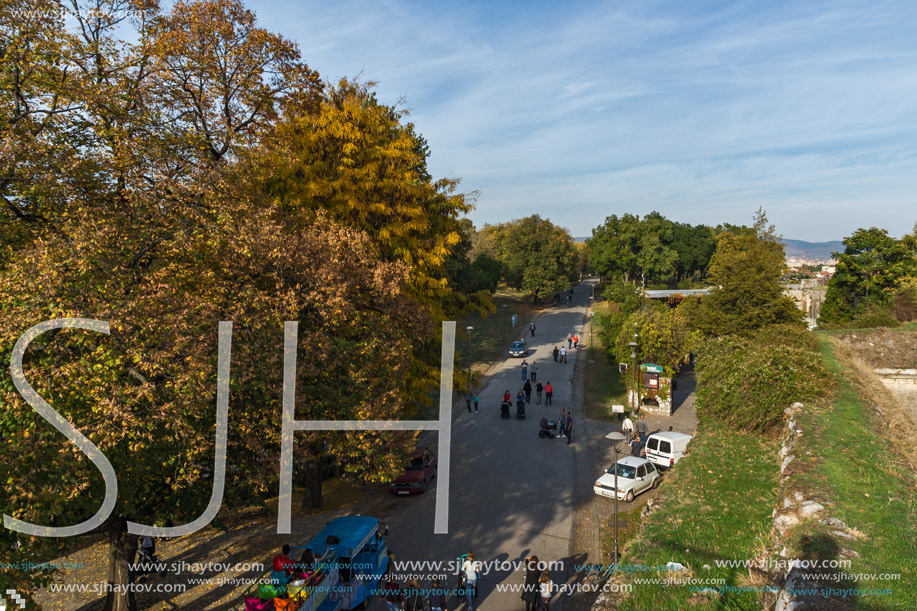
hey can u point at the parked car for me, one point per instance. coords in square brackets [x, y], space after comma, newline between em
[421, 468]
[634, 476]
[666, 448]
[519, 348]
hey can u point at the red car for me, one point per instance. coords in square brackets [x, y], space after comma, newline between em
[421, 468]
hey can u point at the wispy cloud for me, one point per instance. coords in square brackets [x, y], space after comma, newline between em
[703, 111]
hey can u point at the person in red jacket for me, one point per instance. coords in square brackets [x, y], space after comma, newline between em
[507, 397]
[393, 595]
[283, 563]
[548, 393]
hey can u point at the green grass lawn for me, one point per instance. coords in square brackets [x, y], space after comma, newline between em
[855, 472]
[493, 334]
[718, 503]
[604, 386]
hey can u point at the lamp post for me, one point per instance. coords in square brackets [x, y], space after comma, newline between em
[469, 329]
[503, 308]
[633, 365]
[591, 317]
[617, 438]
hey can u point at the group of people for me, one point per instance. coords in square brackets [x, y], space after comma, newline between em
[525, 393]
[412, 598]
[538, 588]
[565, 425]
[529, 371]
[638, 431]
[569, 296]
[286, 570]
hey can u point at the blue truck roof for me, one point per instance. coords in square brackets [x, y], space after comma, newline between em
[352, 531]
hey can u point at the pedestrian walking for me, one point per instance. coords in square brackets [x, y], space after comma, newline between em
[547, 589]
[569, 427]
[393, 595]
[531, 591]
[642, 428]
[538, 389]
[413, 597]
[532, 328]
[472, 571]
[556, 353]
[534, 372]
[563, 355]
[525, 370]
[548, 393]
[437, 598]
[528, 391]
[569, 340]
[469, 398]
[627, 427]
[476, 403]
[562, 424]
[575, 341]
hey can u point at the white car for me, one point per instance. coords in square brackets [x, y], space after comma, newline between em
[634, 476]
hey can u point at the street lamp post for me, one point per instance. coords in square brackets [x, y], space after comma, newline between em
[591, 322]
[469, 329]
[617, 438]
[633, 365]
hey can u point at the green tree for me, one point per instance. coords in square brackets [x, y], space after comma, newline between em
[613, 247]
[537, 256]
[664, 337]
[746, 270]
[652, 249]
[622, 299]
[867, 275]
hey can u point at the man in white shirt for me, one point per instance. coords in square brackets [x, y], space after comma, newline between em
[627, 427]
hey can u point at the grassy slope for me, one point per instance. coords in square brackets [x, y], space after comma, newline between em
[852, 468]
[721, 495]
[718, 507]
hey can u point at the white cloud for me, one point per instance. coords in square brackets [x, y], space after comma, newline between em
[577, 111]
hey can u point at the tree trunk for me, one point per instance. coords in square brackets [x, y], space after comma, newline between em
[312, 479]
[121, 550]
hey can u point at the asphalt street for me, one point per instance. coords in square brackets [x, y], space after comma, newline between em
[511, 492]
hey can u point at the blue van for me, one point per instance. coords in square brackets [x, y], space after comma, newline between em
[361, 560]
[345, 580]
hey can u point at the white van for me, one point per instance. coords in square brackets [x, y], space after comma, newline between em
[666, 448]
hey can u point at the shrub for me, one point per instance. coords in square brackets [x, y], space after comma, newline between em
[747, 383]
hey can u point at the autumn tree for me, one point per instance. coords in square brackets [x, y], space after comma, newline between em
[118, 205]
[664, 337]
[358, 161]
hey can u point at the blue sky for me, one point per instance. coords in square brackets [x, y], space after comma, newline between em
[703, 111]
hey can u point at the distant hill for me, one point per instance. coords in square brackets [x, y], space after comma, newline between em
[812, 250]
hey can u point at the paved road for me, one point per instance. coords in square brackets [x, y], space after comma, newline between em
[511, 492]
